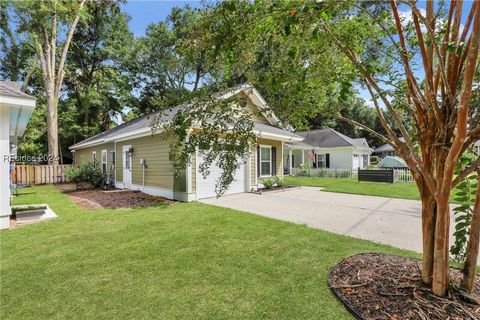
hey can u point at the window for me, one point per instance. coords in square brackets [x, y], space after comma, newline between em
[128, 160]
[265, 161]
[94, 156]
[321, 161]
[104, 161]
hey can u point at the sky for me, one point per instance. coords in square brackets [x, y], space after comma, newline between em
[145, 12]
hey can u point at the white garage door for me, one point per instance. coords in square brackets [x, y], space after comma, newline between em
[206, 187]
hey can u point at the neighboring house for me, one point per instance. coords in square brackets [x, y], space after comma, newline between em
[138, 159]
[16, 107]
[327, 148]
[385, 150]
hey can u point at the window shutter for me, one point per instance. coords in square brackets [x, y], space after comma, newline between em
[327, 160]
[274, 161]
[258, 161]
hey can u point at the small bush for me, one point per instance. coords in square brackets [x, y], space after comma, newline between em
[374, 160]
[268, 183]
[86, 173]
[279, 182]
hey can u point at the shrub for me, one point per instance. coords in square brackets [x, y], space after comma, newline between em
[268, 183]
[88, 172]
[374, 160]
[279, 182]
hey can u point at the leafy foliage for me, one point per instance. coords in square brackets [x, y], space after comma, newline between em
[219, 128]
[268, 183]
[87, 173]
[464, 194]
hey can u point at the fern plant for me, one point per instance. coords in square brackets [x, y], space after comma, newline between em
[465, 195]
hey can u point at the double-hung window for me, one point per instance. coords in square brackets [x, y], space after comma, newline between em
[265, 161]
[104, 161]
[321, 160]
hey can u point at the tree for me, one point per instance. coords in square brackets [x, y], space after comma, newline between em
[42, 23]
[97, 83]
[442, 117]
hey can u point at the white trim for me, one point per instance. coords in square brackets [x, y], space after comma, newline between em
[271, 158]
[274, 136]
[106, 160]
[17, 101]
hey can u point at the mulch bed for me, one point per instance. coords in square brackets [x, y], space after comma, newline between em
[382, 286]
[116, 199]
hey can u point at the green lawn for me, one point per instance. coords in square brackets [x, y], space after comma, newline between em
[185, 261]
[403, 190]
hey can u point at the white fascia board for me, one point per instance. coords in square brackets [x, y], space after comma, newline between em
[278, 137]
[17, 101]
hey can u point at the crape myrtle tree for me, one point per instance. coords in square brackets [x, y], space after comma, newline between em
[422, 75]
[440, 111]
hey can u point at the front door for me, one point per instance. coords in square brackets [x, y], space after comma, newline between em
[127, 167]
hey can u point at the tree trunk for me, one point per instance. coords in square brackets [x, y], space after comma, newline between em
[52, 129]
[470, 265]
[440, 278]
[428, 233]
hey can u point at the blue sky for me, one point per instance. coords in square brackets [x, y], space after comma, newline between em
[144, 12]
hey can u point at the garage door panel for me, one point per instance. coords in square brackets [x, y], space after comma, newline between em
[206, 186]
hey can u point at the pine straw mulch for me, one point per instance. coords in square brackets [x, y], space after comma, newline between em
[382, 286]
[116, 199]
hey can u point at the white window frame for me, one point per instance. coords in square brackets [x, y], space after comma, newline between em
[262, 161]
[94, 156]
[324, 160]
[104, 152]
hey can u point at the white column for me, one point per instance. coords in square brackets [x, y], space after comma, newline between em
[290, 161]
[303, 157]
[5, 210]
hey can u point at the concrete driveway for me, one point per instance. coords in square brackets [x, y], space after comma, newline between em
[395, 222]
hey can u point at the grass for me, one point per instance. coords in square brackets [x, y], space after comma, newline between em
[184, 261]
[402, 190]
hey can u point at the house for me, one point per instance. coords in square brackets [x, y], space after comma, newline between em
[386, 150]
[326, 148]
[16, 107]
[138, 158]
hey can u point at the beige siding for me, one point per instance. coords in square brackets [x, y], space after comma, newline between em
[154, 150]
[279, 158]
[86, 154]
[256, 115]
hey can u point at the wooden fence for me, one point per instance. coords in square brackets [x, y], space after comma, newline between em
[39, 174]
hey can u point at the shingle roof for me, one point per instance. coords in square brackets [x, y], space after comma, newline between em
[165, 116]
[12, 89]
[329, 138]
[386, 147]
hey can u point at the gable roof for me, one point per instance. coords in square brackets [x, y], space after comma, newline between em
[330, 138]
[142, 124]
[12, 89]
[387, 147]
